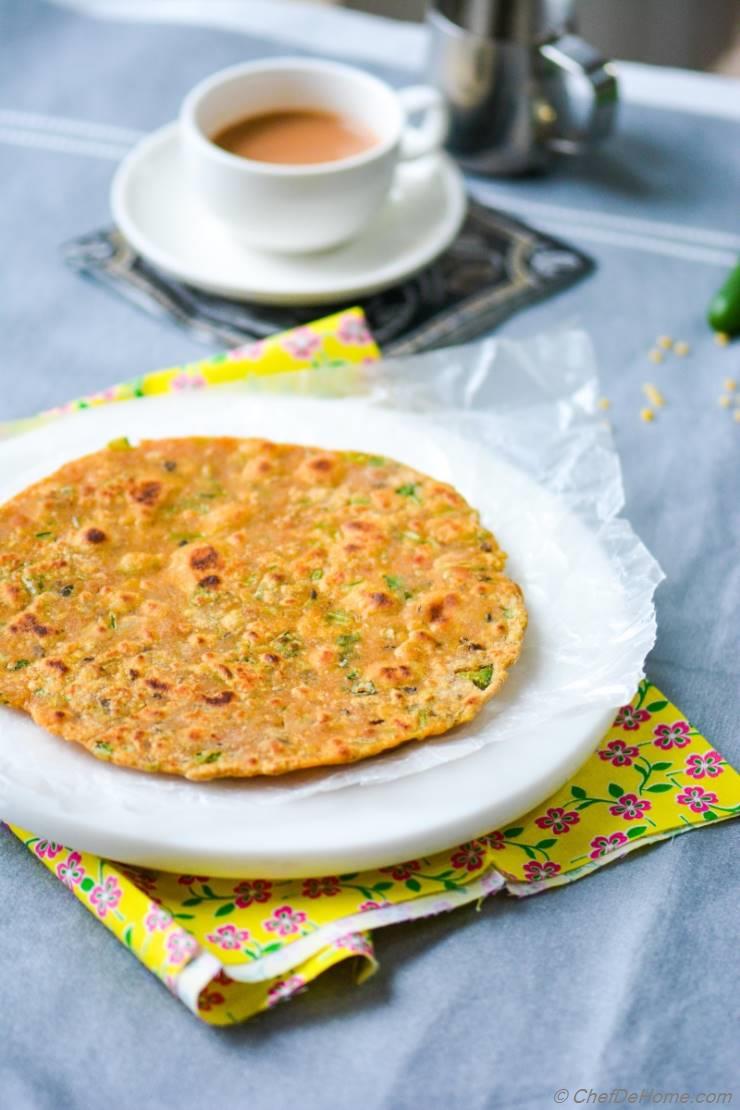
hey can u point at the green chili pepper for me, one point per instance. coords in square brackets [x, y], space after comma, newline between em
[207, 757]
[724, 308]
[338, 617]
[410, 489]
[398, 586]
[480, 677]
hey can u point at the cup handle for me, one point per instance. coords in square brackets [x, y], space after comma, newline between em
[575, 58]
[430, 134]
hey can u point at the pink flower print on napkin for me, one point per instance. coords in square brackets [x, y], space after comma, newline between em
[284, 989]
[677, 735]
[184, 381]
[618, 753]
[104, 395]
[629, 807]
[285, 921]
[250, 352]
[707, 765]
[354, 942]
[697, 798]
[181, 946]
[630, 719]
[327, 886]
[354, 330]
[469, 856]
[558, 820]
[188, 880]
[602, 845]
[250, 891]
[70, 870]
[48, 849]
[157, 918]
[534, 870]
[302, 343]
[106, 895]
[229, 937]
[495, 840]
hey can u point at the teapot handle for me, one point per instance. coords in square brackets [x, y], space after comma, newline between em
[579, 60]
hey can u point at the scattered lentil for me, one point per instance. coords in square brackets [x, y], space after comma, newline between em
[730, 385]
[653, 394]
[603, 403]
[655, 355]
[681, 348]
[665, 342]
[647, 415]
[725, 401]
[721, 338]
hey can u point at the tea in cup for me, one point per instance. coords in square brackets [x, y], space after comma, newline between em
[296, 155]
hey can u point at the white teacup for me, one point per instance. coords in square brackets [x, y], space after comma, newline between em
[302, 208]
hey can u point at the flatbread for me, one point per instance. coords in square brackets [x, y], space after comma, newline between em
[215, 607]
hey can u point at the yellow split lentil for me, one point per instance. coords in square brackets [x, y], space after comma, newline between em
[653, 394]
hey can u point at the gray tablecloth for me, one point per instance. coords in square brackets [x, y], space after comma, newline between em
[626, 980]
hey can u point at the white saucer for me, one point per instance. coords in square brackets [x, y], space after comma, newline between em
[574, 592]
[167, 224]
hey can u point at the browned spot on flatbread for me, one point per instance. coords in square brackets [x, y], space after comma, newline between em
[223, 698]
[57, 665]
[204, 557]
[29, 622]
[156, 684]
[147, 493]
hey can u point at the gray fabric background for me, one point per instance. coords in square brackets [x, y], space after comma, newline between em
[628, 979]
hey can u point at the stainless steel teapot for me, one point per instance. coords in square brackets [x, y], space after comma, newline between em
[519, 85]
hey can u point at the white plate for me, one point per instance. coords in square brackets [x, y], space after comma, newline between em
[162, 219]
[237, 828]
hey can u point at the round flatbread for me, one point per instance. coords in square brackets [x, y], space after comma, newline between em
[215, 607]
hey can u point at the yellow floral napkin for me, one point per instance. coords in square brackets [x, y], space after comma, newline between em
[332, 341]
[229, 948]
